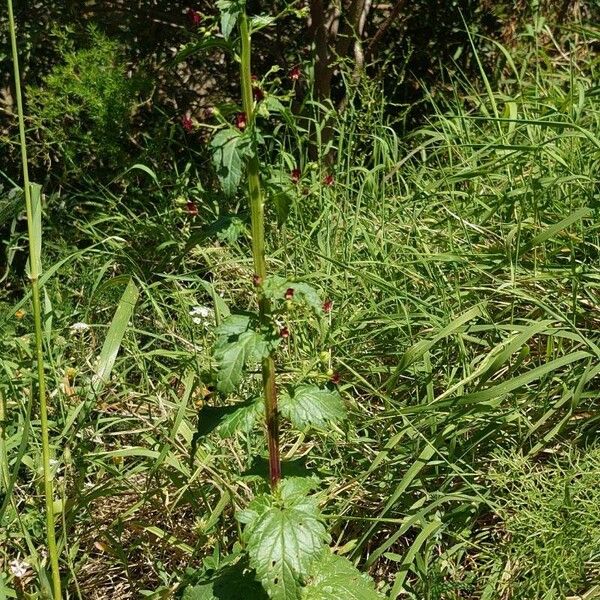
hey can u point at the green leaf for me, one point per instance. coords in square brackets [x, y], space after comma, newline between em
[114, 336]
[231, 583]
[227, 228]
[259, 22]
[296, 467]
[233, 325]
[242, 419]
[197, 47]
[284, 534]
[230, 11]
[273, 105]
[229, 149]
[232, 355]
[310, 406]
[228, 419]
[335, 577]
[275, 288]
[282, 201]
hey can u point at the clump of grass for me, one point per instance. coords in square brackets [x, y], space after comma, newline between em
[551, 518]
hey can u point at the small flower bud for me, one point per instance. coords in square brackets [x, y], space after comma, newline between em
[295, 73]
[240, 121]
[187, 123]
[257, 93]
[194, 17]
[325, 357]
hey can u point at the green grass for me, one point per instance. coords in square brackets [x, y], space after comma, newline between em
[462, 262]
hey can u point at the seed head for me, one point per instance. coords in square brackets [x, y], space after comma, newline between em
[328, 180]
[335, 378]
[191, 208]
[289, 294]
[284, 332]
[295, 175]
[327, 305]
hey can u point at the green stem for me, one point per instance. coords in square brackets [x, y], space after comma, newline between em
[4, 466]
[34, 266]
[257, 218]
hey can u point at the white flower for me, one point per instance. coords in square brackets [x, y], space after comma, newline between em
[202, 315]
[203, 311]
[79, 327]
[19, 568]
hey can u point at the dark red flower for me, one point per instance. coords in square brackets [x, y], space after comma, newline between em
[289, 293]
[284, 332]
[295, 73]
[194, 17]
[257, 93]
[295, 175]
[240, 121]
[327, 306]
[335, 378]
[328, 180]
[256, 280]
[187, 123]
[191, 208]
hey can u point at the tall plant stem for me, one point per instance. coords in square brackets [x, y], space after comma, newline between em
[257, 217]
[34, 236]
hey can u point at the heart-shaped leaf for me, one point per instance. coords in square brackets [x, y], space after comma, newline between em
[308, 405]
[284, 533]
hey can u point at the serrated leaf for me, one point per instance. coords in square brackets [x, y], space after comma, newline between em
[232, 355]
[310, 406]
[228, 419]
[275, 288]
[259, 22]
[241, 419]
[195, 47]
[231, 583]
[230, 11]
[273, 105]
[227, 228]
[296, 468]
[233, 325]
[229, 149]
[284, 534]
[335, 577]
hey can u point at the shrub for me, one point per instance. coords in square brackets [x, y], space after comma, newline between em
[82, 109]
